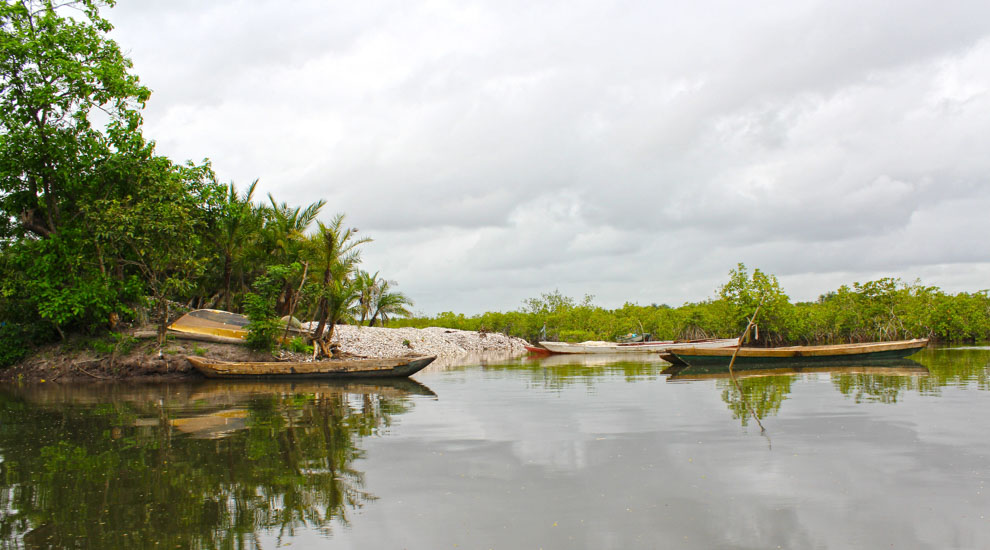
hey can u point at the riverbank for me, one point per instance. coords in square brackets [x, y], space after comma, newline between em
[130, 358]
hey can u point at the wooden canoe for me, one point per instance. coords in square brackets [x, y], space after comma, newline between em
[839, 354]
[637, 347]
[395, 367]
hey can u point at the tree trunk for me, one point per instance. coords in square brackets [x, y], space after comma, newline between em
[228, 269]
[323, 313]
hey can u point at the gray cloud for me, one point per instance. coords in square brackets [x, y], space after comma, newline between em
[635, 151]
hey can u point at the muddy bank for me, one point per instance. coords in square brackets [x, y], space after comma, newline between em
[77, 360]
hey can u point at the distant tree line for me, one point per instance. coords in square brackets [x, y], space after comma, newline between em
[96, 228]
[885, 309]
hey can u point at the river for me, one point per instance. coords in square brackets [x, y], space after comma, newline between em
[558, 453]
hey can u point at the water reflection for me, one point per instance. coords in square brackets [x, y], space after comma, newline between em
[559, 371]
[765, 390]
[189, 466]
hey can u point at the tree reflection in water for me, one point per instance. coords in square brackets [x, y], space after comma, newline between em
[926, 373]
[187, 468]
[764, 394]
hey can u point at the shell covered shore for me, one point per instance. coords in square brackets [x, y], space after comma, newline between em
[443, 342]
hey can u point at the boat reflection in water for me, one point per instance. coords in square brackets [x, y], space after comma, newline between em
[680, 373]
[206, 465]
[765, 389]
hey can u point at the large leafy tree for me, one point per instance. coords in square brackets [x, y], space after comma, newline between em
[59, 73]
[155, 229]
[68, 107]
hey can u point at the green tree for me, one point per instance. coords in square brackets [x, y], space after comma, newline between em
[55, 72]
[335, 256]
[368, 288]
[388, 304]
[239, 222]
[156, 227]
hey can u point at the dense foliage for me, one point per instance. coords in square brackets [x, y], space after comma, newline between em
[97, 229]
[886, 309]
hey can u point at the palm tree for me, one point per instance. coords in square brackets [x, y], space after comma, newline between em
[388, 304]
[285, 228]
[239, 221]
[368, 289]
[284, 240]
[334, 252]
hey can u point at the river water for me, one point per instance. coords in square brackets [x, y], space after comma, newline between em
[557, 453]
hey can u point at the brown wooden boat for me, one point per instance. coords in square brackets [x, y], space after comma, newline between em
[394, 367]
[838, 354]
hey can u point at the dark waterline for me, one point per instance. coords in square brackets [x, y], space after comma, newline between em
[554, 453]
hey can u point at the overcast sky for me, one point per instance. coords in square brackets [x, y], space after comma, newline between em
[632, 150]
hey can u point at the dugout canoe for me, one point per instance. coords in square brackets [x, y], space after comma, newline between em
[838, 354]
[394, 367]
[638, 347]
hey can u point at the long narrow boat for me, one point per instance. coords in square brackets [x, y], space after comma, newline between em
[395, 367]
[638, 347]
[840, 354]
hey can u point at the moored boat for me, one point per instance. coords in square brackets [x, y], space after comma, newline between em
[638, 347]
[836, 354]
[335, 368]
[537, 350]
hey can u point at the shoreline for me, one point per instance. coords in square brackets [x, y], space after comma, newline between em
[139, 360]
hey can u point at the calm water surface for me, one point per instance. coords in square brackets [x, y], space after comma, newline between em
[552, 454]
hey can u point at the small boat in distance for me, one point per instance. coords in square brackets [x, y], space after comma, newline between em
[394, 367]
[837, 354]
[637, 347]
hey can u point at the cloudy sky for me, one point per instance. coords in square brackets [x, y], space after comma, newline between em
[632, 150]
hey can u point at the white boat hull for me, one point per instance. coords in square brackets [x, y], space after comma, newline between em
[645, 347]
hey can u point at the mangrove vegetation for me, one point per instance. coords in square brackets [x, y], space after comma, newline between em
[884, 309]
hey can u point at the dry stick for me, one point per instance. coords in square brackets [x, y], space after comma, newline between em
[84, 371]
[732, 374]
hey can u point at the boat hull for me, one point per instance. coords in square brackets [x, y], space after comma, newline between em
[643, 347]
[876, 353]
[399, 367]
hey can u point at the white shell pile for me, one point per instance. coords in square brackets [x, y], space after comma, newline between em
[442, 342]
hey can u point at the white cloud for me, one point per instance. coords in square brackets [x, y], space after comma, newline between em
[633, 151]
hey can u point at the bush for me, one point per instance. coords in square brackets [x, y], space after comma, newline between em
[299, 345]
[576, 335]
